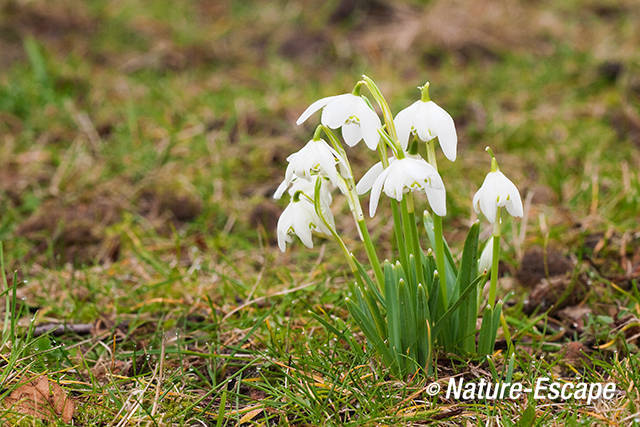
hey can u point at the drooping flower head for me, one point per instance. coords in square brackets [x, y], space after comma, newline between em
[315, 158]
[300, 217]
[497, 191]
[427, 120]
[349, 112]
[401, 176]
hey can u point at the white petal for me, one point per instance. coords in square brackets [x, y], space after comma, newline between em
[367, 180]
[514, 206]
[375, 192]
[336, 112]
[437, 200]
[403, 122]
[489, 205]
[284, 222]
[369, 125]
[441, 125]
[301, 227]
[328, 215]
[281, 189]
[351, 133]
[421, 121]
[327, 163]
[476, 200]
[396, 180]
[320, 103]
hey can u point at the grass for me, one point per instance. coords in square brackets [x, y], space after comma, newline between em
[140, 145]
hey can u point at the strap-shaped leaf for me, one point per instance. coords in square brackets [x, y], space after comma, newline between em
[371, 285]
[459, 301]
[371, 335]
[468, 311]
[394, 327]
[422, 319]
[407, 321]
[413, 276]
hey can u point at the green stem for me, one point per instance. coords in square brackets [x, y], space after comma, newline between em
[384, 106]
[356, 208]
[431, 153]
[398, 232]
[397, 221]
[495, 261]
[397, 150]
[315, 201]
[440, 259]
[343, 246]
[386, 113]
[371, 253]
[413, 228]
[384, 158]
[438, 233]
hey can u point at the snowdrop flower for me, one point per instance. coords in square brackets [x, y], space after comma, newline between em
[427, 120]
[497, 191]
[403, 175]
[300, 217]
[315, 158]
[486, 257]
[351, 113]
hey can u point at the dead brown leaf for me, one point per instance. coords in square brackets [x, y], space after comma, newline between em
[42, 399]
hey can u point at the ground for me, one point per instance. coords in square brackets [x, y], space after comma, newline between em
[141, 143]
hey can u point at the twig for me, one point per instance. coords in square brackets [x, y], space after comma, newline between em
[57, 329]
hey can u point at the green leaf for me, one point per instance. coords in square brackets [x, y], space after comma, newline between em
[459, 301]
[528, 416]
[407, 321]
[370, 333]
[466, 315]
[413, 276]
[371, 286]
[489, 329]
[422, 319]
[393, 312]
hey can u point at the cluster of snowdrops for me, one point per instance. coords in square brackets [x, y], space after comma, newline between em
[425, 299]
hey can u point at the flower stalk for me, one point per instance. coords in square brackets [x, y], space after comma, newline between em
[437, 225]
[495, 260]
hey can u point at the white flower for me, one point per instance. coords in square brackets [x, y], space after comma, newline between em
[352, 114]
[497, 191]
[315, 158]
[300, 217]
[486, 257]
[427, 120]
[404, 175]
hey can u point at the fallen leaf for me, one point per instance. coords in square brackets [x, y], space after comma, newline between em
[249, 416]
[42, 399]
